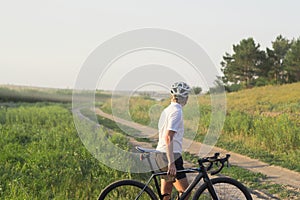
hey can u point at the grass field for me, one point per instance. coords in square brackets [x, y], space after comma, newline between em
[42, 156]
[262, 122]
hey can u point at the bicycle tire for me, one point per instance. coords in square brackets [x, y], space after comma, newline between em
[126, 189]
[226, 188]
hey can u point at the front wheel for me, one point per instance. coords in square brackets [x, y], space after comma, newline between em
[127, 189]
[226, 188]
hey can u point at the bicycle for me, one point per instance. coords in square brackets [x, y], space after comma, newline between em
[219, 188]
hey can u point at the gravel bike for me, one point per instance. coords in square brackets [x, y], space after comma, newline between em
[220, 188]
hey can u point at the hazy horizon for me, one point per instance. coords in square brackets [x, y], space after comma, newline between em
[44, 44]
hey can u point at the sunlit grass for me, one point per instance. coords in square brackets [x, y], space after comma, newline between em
[42, 156]
[261, 122]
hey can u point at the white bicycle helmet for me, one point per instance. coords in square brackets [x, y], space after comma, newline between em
[180, 89]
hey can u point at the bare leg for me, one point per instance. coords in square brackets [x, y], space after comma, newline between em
[181, 185]
[166, 188]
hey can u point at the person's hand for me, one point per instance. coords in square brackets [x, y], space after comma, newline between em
[172, 169]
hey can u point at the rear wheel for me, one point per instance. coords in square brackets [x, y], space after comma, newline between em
[127, 189]
[226, 189]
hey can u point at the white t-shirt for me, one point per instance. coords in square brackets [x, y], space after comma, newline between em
[171, 119]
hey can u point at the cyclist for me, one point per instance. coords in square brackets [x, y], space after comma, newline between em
[171, 132]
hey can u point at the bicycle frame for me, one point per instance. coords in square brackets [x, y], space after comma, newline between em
[201, 174]
[208, 165]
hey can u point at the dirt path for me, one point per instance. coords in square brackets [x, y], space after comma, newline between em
[274, 174]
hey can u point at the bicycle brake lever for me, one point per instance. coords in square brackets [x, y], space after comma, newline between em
[216, 155]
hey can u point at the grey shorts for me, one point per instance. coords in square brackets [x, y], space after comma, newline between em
[162, 163]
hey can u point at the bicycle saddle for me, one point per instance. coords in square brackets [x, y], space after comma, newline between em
[145, 150]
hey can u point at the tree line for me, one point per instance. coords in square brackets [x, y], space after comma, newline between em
[249, 66]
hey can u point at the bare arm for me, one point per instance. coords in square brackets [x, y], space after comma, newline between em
[170, 155]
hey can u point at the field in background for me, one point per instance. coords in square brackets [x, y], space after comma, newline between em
[9, 93]
[43, 157]
[262, 122]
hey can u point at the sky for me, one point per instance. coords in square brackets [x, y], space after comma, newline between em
[45, 43]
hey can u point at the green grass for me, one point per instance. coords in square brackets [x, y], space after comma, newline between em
[258, 181]
[266, 126]
[253, 180]
[261, 122]
[274, 140]
[42, 156]
[117, 127]
[268, 100]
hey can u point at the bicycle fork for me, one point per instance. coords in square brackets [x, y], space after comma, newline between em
[210, 187]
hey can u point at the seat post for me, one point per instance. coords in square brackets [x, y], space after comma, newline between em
[149, 161]
[154, 177]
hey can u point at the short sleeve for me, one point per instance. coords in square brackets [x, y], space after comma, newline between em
[174, 120]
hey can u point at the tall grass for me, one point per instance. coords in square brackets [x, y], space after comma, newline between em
[265, 123]
[272, 139]
[260, 122]
[42, 156]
